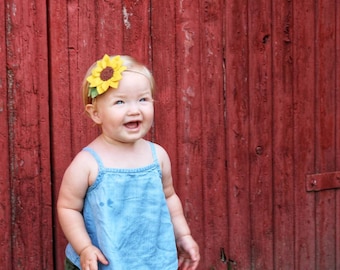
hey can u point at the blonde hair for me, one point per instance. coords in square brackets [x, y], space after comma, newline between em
[132, 66]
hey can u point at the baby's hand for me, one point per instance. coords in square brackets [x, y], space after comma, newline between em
[188, 253]
[89, 258]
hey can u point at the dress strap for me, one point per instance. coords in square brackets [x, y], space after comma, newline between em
[153, 150]
[95, 155]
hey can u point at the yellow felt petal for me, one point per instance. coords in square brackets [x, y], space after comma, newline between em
[105, 85]
[114, 84]
[116, 76]
[100, 89]
[91, 80]
[96, 81]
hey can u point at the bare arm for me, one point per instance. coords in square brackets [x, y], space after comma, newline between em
[188, 250]
[70, 204]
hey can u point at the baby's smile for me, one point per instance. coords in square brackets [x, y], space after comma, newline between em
[132, 125]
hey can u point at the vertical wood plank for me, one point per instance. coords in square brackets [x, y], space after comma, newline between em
[237, 132]
[304, 113]
[337, 124]
[136, 34]
[260, 141]
[211, 86]
[86, 42]
[189, 112]
[111, 19]
[95, 28]
[5, 187]
[60, 105]
[163, 65]
[283, 143]
[29, 127]
[325, 130]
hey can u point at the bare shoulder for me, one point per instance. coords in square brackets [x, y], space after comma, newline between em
[81, 170]
[76, 181]
[83, 160]
[162, 155]
[165, 164]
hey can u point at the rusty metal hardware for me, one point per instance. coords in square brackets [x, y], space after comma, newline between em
[323, 181]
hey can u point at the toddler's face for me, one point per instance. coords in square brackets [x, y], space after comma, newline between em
[126, 113]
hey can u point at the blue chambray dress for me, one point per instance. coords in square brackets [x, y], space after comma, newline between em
[127, 218]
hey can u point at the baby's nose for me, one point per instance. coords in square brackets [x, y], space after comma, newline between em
[134, 108]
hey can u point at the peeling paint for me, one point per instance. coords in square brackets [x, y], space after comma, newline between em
[188, 94]
[126, 16]
[189, 41]
[14, 9]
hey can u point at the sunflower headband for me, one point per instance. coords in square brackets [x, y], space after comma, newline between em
[106, 74]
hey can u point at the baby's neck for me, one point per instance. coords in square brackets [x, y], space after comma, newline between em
[124, 155]
[118, 144]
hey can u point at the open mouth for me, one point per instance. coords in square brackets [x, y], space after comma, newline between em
[132, 125]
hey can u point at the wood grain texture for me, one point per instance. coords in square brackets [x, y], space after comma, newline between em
[28, 124]
[304, 132]
[237, 133]
[337, 125]
[283, 143]
[260, 131]
[61, 142]
[213, 173]
[5, 140]
[325, 130]
[189, 113]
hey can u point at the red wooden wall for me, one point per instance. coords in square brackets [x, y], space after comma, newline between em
[247, 105]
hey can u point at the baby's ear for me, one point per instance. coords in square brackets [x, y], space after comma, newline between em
[93, 113]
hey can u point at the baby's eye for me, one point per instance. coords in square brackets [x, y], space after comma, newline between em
[119, 102]
[145, 99]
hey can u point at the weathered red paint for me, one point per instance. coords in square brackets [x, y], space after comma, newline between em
[247, 106]
[337, 127]
[283, 144]
[28, 166]
[5, 185]
[60, 105]
[213, 148]
[188, 112]
[304, 139]
[323, 181]
[260, 127]
[237, 134]
[325, 148]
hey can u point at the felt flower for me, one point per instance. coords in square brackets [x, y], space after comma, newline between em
[106, 74]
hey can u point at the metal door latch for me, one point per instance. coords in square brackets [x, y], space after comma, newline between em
[322, 181]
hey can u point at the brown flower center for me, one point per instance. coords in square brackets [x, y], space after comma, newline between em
[106, 74]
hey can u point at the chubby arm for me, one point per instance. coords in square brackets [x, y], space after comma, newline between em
[188, 250]
[69, 206]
